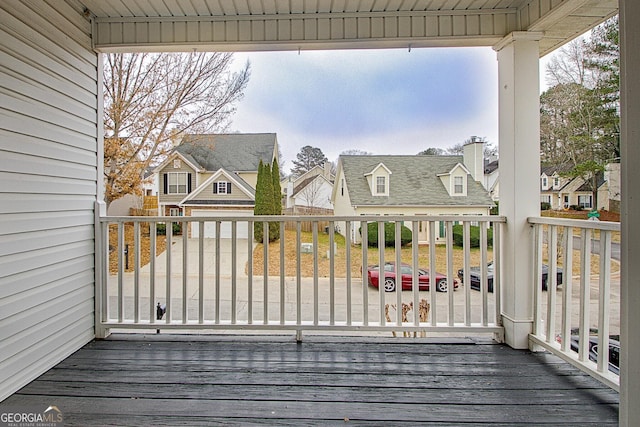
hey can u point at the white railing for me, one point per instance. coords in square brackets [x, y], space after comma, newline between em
[312, 282]
[585, 310]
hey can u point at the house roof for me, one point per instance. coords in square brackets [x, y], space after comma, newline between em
[490, 167]
[414, 181]
[233, 152]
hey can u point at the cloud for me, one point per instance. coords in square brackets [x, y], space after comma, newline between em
[384, 101]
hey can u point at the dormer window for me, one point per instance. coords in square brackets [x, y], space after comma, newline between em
[544, 182]
[556, 182]
[381, 185]
[458, 185]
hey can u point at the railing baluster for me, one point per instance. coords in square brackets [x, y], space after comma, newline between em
[382, 276]
[218, 283]
[364, 228]
[168, 235]
[497, 227]
[466, 238]
[432, 273]
[399, 274]
[121, 249]
[567, 289]
[332, 276]
[347, 238]
[604, 300]
[537, 277]
[415, 279]
[265, 272]
[552, 250]
[298, 272]
[153, 230]
[282, 273]
[585, 290]
[316, 297]
[484, 273]
[449, 246]
[201, 272]
[136, 272]
[234, 272]
[250, 225]
[185, 268]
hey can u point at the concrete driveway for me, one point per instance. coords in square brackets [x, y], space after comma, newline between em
[209, 259]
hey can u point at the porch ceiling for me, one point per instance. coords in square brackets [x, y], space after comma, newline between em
[297, 24]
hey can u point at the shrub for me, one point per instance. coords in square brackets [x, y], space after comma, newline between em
[161, 229]
[389, 234]
[495, 209]
[474, 236]
[545, 206]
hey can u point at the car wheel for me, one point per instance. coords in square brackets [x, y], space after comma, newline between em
[389, 285]
[441, 285]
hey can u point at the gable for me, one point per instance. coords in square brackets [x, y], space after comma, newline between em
[220, 186]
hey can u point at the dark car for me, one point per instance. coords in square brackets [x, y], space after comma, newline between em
[474, 277]
[373, 273]
[614, 349]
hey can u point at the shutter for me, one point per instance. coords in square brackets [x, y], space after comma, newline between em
[228, 188]
[165, 180]
[188, 183]
[215, 188]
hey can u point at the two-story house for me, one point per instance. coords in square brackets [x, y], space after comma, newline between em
[214, 175]
[561, 191]
[411, 185]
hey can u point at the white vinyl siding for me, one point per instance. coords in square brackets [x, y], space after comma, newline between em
[48, 171]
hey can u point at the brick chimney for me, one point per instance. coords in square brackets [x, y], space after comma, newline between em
[473, 157]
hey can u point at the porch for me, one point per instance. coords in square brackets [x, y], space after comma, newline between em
[274, 380]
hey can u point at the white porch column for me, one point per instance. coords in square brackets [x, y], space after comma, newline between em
[630, 211]
[519, 140]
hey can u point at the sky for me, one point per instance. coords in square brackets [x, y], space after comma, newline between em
[382, 101]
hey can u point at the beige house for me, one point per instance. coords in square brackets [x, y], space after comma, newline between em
[564, 192]
[411, 185]
[214, 175]
[311, 190]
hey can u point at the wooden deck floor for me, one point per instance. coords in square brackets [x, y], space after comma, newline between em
[244, 380]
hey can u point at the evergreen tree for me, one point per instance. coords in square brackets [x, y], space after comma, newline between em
[307, 159]
[264, 204]
[277, 189]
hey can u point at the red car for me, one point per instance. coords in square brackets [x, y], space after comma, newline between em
[373, 273]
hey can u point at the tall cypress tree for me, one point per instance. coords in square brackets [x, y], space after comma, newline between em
[265, 204]
[260, 206]
[274, 227]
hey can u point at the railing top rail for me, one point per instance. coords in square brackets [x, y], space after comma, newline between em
[578, 223]
[369, 218]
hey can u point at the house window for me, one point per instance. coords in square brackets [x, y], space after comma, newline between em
[177, 183]
[556, 182]
[177, 164]
[222, 187]
[585, 201]
[544, 182]
[458, 187]
[545, 198]
[381, 185]
[175, 212]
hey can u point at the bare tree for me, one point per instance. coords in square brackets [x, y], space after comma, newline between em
[151, 100]
[312, 195]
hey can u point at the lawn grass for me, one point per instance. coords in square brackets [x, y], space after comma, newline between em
[340, 266]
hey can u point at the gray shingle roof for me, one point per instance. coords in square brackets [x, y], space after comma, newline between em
[414, 181]
[232, 152]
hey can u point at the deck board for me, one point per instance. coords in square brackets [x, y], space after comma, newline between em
[244, 380]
